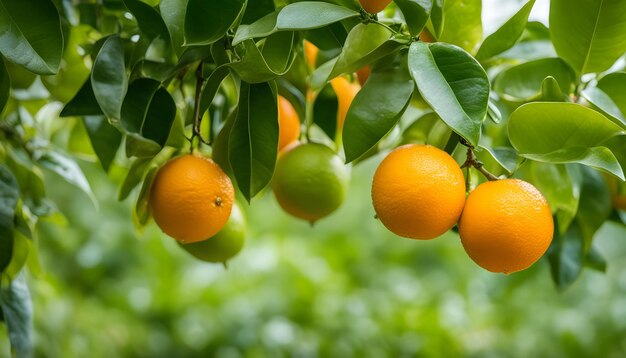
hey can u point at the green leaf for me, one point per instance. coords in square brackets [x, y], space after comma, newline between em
[135, 174]
[17, 310]
[609, 96]
[325, 110]
[148, 111]
[211, 86]
[427, 129]
[153, 27]
[84, 103]
[105, 139]
[263, 27]
[311, 15]
[505, 157]
[108, 77]
[564, 133]
[257, 11]
[173, 14]
[507, 35]
[566, 255]
[416, 13]
[30, 35]
[523, 83]
[142, 206]
[5, 85]
[275, 60]
[206, 21]
[253, 141]
[67, 169]
[436, 18]
[9, 194]
[453, 83]
[595, 260]
[376, 109]
[357, 53]
[462, 24]
[551, 91]
[595, 205]
[590, 36]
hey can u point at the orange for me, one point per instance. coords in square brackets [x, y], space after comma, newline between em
[310, 181]
[425, 36]
[374, 6]
[288, 123]
[345, 92]
[418, 191]
[506, 225]
[363, 74]
[191, 198]
[310, 53]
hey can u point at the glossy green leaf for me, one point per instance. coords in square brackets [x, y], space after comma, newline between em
[609, 96]
[153, 27]
[17, 311]
[257, 10]
[436, 18]
[148, 111]
[311, 15]
[325, 110]
[108, 77]
[30, 34]
[211, 86]
[264, 26]
[595, 205]
[142, 206]
[564, 133]
[551, 91]
[590, 36]
[505, 157]
[416, 13]
[566, 255]
[357, 53]
[84, 103]
[507, 35]
[328, 38]
[253, 140]
[523, 83]
[206, 21]
[376, 109]
[5, 85]
[105, 139]
[9, 194]
[173, 14]
[462, 24]
[427, 129]
[595, 260]
[67, 169]
[453, 83]
[274, 60]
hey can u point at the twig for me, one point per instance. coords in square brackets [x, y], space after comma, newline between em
[472, 161]
[197, 116]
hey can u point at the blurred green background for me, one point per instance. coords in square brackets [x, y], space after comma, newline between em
[346, 287]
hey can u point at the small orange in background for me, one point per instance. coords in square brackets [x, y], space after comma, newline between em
[191, 198]
[418, 191]
[310, 53]
[363, 74]
[425, 36]
[506, 225]
[345, 91]
[374, 6]
[288, 123]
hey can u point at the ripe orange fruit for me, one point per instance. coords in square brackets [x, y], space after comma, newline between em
[345, 92]
[310, 181]
[191, 198]
[288, 123]
[225, 244]
[310, 53]
[506, 225]
[374, 6]
[418, 191]
[363, 74]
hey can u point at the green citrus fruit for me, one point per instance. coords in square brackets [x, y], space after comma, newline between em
[310, 181]
[225, 244]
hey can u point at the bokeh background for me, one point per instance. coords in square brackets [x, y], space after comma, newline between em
[346, 287]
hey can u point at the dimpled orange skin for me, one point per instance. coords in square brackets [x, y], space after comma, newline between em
[506, 225]
[418, 191]
[345, 92]
[191, 198]
[288, 123]
[374, 6]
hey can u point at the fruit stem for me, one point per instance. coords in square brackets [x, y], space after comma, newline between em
[472, 161]
[197, 116]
